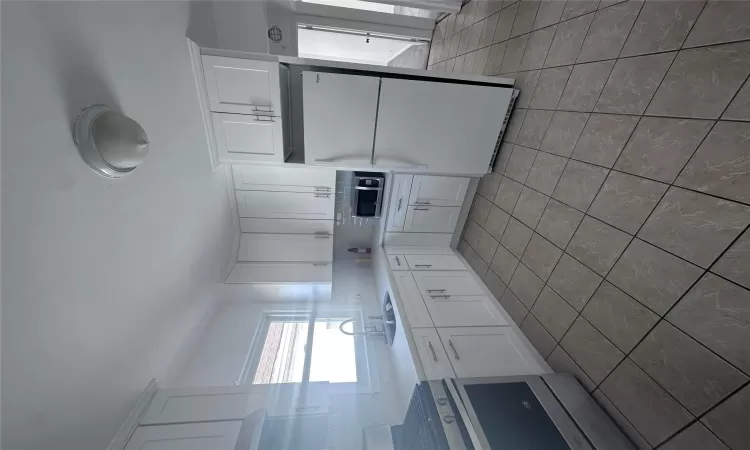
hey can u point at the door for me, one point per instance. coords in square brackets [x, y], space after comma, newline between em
[431, 219]
[245, 139]
[432, 355]
[339, 118]
[200, 404]
[441, 127]
[262, 272]
[398, 262]
[189, 436]
[256, 247]
[434, 262]
[285, 205]
[463, 311]
[447, 283]
[438, 191]
[399, 202]
[414, 307]
[242, 86]
[289, 179]
[487, 352]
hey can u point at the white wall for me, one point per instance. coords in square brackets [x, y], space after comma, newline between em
[320, 44]
[103, 280]
[241, 25]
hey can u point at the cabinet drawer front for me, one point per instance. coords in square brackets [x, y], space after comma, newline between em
[289, 179]
[399, 202]
[199, 404]
[285, 205]
[447, 283]
[438, 191]
[242, 86]
[189, 436]
[417, 250]
[435, 262]
[242, 138]
[414, 307]
[263, 272]
[398, 262]
[434, 219]
[285, 247]
[463, 311]
[286, 226]
[432, 355]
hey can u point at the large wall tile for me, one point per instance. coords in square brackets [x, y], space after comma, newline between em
[496, 222]
[480, 209]
[575, 282]
[553, 313]
[516, 236]
[513, 54]
[632, 83]
[486, 247]
[716, 313]
[545, 172]
[694, 226]
[694, 437]
[513, 307]
[494, 284]
[507, 194]
[550, 87]
[567, 41]
[702, 81]
[608, 32]
[660, 147]
[524, 17]
[488, 30]
[626, 427]
[506, 148]
[489, 184]
[652, 276]
[625, 201]
[561, 362]
[530, 207]
[504, 264]
[603, 138]
[472, 233]
[537, 48]
[505, 23]
[721, 21]
[563, 132]
[520, 161]
[579, 184]
[476, 263]
[558, 223]
[644, 403]
[541, 257]
[662, 26]
[697, 378]
[620, 318]
[721, 166]
[514, 125]
[739, 109]
[542, 341]
[495, 60]
[584, 86]
[534, 127]
[591, 350]
[575, 8]
[735, 263]
[526, 83]
[549, 13]
[731, 420]
[526, 285]
[597, 245]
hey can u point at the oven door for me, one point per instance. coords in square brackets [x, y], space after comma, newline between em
[514, 413]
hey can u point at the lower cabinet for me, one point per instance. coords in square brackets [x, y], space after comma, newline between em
[435, 262]
[280, 272]
[463, 311]
[189, 436]
[487, 352]
[432, 219]
[285, 248]
[248, 139]
[432, 355]
[447, 283]
[398, 262]
[201, 404]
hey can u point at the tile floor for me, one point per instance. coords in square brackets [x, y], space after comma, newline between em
[614, 227]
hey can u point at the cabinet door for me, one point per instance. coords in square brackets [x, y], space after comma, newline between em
[286, 226]
[463, 311]
[447, 283]
[438, 191]
[398, 262]
[339, 118]
[200, 404]
[242, 86]
[288, 179]
[263, 272]
[189, 436]
[414, 307]
[399, 202]
[417, 250]
[432, 354]
[442, 127]
[435, 262]
[431, 219]
[285, 247]
[247, 139]
[285, 205]
[487, 352]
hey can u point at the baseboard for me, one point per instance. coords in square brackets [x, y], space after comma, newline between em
[131, 422]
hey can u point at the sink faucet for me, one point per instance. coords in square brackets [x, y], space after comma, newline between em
[370, 330]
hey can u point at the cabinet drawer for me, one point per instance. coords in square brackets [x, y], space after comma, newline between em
[247, 139]
[438, 191]
[432, 355]
[263, 272]
[214, 435]
[285, 205]
[399, 202]
[431, 219]
[286, 226]
[242, 86]
[200, 404]
[417, 250]
[434, 262]
[463, 311]
[285, 247]
[289, 179]
[414, 307]
[447, 283]
[398, 262]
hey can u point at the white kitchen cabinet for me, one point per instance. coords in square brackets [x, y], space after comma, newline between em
[396, 238]
[295, 399]
[398, 262]
[242, 86]
[438, 191]
[439, 127]
[463, 311]
[258, 247]
[447, 283]
[279, 272]
[417, 250]
[487, 352]
[287, 179]
[399, 202]
[339, 118]
[435, 362]
[248, 139]
[414, 306]
[285, 226]
[434, 262]
[190, 436]
[431, 219]
[201, 404]
[285, 205]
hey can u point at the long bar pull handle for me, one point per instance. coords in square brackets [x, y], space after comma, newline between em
[435, 290]
[422, 203]
[398, 261]
[428, 266]
[453, 347]
[432, 349]
[400, 201]
[421, 209]
[440, 296]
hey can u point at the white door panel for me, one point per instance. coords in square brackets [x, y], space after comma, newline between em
[438, 191]
[285, 205]
[242, 86]
[189, 436]
[463, 311]
[255, 247]
[414, 306]
[431, 219]
[245, 139]
[447, 283]
[432, 355]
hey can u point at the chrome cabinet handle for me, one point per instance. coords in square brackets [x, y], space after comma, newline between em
[421, 209]
[435, 290]
[440, 296]
[267, 108]
[321, 195]
[400, 200]
[453, 347]
[303, 408]
[270, 119]
[432, 349]
[427, 265]
[320, 264]
[422, 203]
[398, 261]
[322, 235]
[322, 189]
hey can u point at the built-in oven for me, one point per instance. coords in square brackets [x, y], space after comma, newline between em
[547, 412]
[367, 194]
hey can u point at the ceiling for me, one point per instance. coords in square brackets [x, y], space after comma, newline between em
[321, 44]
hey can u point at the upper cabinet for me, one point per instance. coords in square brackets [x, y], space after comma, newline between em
[339, 118]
